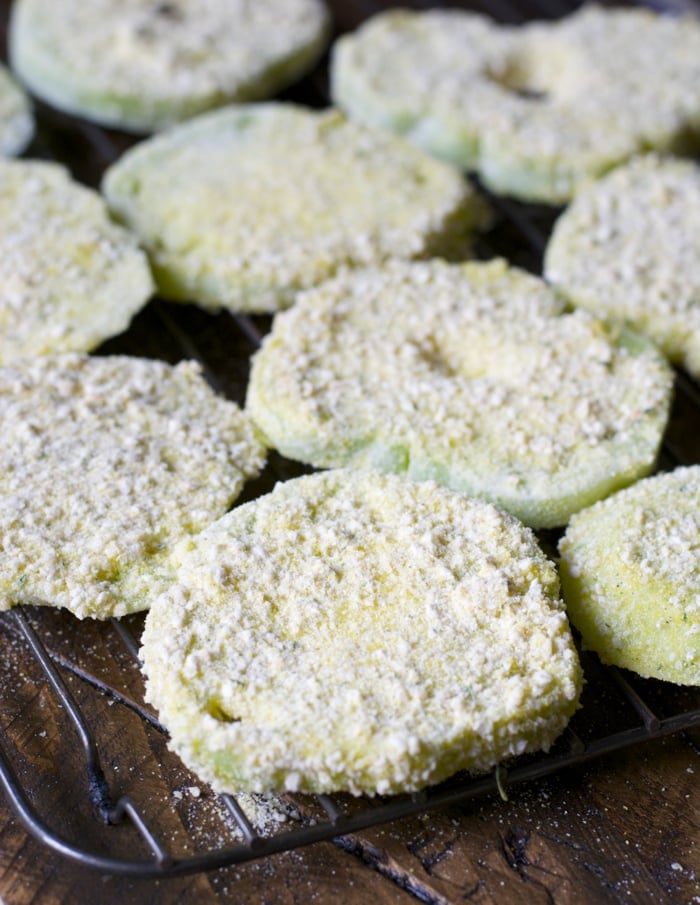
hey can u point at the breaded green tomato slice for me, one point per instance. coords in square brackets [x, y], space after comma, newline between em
[69, 276]
[471, 374]
[359, 632]
[141, 65]
[628, 248]
[16, 116]
[105, 464]
[537, 110]
[630, 572]
[243, 207]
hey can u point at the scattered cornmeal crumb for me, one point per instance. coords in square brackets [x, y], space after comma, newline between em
[630, 570]
[105, 464]
[360, 632]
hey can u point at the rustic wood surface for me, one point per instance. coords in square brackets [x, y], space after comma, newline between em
[623, 828]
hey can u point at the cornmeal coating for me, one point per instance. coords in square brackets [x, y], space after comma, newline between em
[355, 631]
[473, 375]
[69, 276]
[243, 207]
[105, 463]
[140, 65]
[16, 116]
[630, 571]
[628, 248]
[536, 110]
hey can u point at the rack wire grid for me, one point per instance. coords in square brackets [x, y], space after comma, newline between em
[619, 710]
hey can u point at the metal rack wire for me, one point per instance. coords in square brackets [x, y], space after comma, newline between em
[633, 706]
[641, 711]
[618, 711]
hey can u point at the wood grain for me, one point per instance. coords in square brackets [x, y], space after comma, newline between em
[600, 835]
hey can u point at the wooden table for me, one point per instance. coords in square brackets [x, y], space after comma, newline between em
[624, 827]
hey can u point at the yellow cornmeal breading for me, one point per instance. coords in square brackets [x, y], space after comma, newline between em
[472, 375]
[243, 207]
[104, 464]
[141, 65]
[628, 248]
[630, 570]
[355, 631]
[537, 110]
[69, 276]
[16, 117]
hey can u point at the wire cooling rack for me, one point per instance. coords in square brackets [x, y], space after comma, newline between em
[640, 711]
[119, 833]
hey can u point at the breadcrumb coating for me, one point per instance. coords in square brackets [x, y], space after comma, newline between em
[243, 207]
[141, 65]
[69, 276]
[355, 631]
[628, 248]
[473, 375]
[536, 110]
[16, 116]
[630, 569]
[105, 463]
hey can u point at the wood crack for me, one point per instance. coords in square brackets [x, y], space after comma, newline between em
[381, 861]
[429, 862]
[514, 846]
